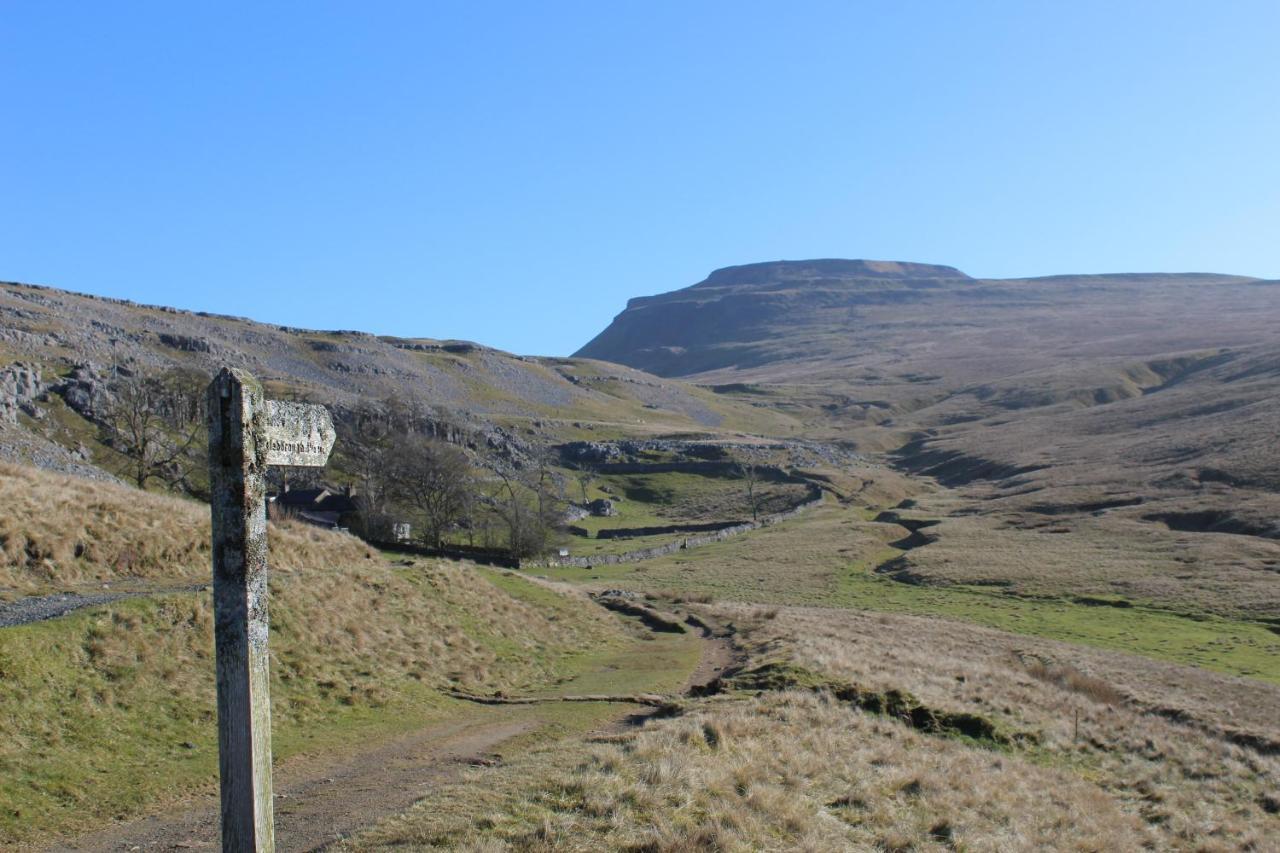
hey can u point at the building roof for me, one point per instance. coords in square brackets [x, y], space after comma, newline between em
[316, 500]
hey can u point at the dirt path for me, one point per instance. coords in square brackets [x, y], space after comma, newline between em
[321, 799]
[719, 655]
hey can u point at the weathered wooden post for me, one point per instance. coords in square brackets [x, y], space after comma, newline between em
[246, 434]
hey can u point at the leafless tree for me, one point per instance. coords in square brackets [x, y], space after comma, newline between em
[435, 479]
[530, 506]
[154, 423]
[372, 464]
[585, 476]
[749, 473]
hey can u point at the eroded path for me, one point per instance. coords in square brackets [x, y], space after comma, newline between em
[319, 801]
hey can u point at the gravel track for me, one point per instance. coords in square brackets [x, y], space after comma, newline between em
[39, 608]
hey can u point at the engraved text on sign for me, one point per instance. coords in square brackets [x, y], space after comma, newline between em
[298, 434]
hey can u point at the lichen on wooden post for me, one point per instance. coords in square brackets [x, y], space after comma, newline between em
[237, 459]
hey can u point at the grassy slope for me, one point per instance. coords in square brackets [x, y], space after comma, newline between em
[110, 711]
[1068, 753]
[826, 557]
[651, 500]
[1079, 744]
[62, 533]
[556, 399]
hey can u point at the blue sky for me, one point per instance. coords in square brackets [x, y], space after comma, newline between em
[512, 172]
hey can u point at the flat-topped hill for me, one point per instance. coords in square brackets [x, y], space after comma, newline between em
[824, 270]
[784, 320]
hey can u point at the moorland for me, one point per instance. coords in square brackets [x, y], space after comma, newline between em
[1034, 605]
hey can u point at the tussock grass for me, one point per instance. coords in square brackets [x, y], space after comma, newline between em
[785, 771]
[1193, 753]
[1068, 677]
[1109, 556]
[829, 555]
[60, 532]
[788, 764]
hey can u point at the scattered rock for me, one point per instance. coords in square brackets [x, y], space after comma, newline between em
[185, 343]
[20, 388]
[85, 389]
[602, 508]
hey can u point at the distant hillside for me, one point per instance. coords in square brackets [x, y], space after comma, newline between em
[46, 335]
[912, 324]
[1131, 401]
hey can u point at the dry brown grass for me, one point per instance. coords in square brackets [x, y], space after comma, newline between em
[89, 700]
[785, 771]
[1192, 753]
[59, 532]
[1069, 678]
[1084, 756]
[797, 561]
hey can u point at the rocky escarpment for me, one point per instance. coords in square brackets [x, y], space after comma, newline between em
[911, 331]
[20, 388]
[58, 330]
[729, 318]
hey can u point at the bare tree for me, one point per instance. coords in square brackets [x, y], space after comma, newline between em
[372, 464]
[367, 445]
[153, 422]
[435, 479]
[750, 476]
[511, 508]
[585, 476]
[530, 506]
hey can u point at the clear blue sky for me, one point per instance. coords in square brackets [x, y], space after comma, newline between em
[512, 173]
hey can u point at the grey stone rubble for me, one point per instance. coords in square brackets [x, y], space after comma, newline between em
[23, 447]
[616, 593]
[602, 508]
[22, 390]
[86, 389]
[42, 607]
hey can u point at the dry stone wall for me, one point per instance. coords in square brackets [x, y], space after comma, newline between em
[814, 498]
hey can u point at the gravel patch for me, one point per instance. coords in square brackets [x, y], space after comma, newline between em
[39, 608]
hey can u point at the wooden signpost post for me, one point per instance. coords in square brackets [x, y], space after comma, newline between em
[246, 434]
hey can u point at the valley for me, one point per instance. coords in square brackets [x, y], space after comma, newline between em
[1000, 569]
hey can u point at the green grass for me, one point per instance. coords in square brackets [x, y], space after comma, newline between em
[107, 712]
[579, 547]
[102, 742]
[653, 663]
[651, 500]
[571, 574]
[825, 558]
[1225, 645]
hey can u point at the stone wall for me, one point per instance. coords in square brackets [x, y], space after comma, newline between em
[730, 470]
[814, 498]
[632, 532]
